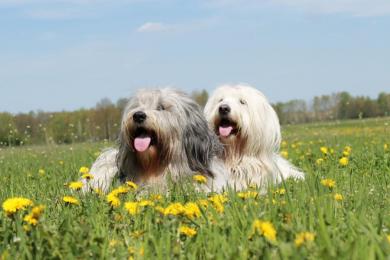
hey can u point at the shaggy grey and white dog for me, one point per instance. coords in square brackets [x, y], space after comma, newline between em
[163, 135]
[249, 128]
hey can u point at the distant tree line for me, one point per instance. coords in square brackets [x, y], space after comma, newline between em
[103, 121]
[336, 106]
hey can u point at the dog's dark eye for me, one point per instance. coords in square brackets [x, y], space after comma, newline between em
[242, 101]
[160, 107]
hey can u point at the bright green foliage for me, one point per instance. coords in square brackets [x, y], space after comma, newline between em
[309, 219]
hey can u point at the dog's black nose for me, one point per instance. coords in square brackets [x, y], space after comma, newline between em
[224, 110]
[139, 117]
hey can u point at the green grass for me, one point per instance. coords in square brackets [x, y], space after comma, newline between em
[354, 228]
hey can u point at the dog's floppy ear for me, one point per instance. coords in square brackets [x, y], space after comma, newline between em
[200, 143]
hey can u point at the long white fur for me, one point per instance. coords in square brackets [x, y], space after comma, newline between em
[253, 157]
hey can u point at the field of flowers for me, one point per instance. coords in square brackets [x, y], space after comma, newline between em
[341, 210]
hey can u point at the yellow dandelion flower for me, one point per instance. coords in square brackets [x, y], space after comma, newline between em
[264, 228]
[324, 150]
[132, 185]
[87, 176]
[61, 162]
[203, 203]
[303, 237]
[145, 203]
[248, 195]
[187, 231]
[199, 178]
[338, 197]
[37, 211]
[280, 191]
[217, 202]
[284, 153]
[113, 200]
[119, 190]
[388, 238]
[347, 150]
[319, 161]
[386, 147]
[132, 208]
[328, 183]
[174, 209]
[41, 172]
[30, 220]
[70, 200]
[75, 185]
[191, 210]
[84, 170]
[344, 161]
[12, 205]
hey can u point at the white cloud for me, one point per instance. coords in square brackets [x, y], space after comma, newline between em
[153, 27]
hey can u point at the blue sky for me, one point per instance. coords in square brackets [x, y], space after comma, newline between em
[68, 54]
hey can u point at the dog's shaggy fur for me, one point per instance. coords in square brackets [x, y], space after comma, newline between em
[249, 128]
[163, 135]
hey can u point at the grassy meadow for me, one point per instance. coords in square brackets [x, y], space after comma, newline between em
[341, 210]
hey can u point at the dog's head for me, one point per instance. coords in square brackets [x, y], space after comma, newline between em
[243, 119]
[159, 126]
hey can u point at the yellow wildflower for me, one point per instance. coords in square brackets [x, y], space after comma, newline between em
[144, 203]
[191, 210]
[119, 190]
[347, 151]
[217, 202]
[199, 178]
[187, 231]
[113, 200]
[203, 203]
[388, 238]
[324, 150]
[132, 185]
[319, 161]
[344, 161]
[30, 220]
[386, 147]
[280, 191]
[75, 185]
[284, 153]
[41, 172]
[12, 205]
[132, 208]
[87, 176]
[37, 211]
[338, 197]
[174, 209]
[248, 194]
[303, 237]
[264, 228]
[61, 162]
[328, 183]
[70, 200]
[84, 170]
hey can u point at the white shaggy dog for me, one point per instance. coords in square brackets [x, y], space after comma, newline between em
[163, 135]
[249, 128]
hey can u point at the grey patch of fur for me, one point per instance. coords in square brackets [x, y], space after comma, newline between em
[184, 145]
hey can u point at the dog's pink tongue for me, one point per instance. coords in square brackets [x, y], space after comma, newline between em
[225, 131]
[142, 143]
